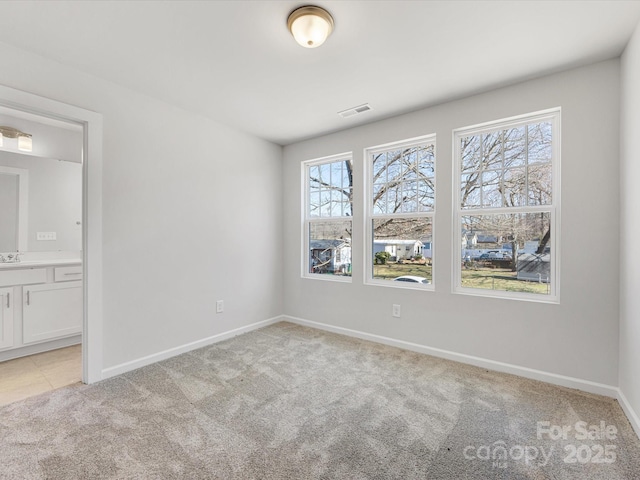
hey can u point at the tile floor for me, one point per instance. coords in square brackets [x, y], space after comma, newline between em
[28, 376]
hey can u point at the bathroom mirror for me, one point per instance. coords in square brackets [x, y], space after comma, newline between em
[13, 209]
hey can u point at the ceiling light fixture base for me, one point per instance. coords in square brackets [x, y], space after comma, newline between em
[310, 25]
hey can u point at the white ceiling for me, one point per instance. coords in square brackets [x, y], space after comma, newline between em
[235, 61]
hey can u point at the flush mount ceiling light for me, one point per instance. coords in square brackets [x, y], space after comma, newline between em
[25, 142]
[310, 25]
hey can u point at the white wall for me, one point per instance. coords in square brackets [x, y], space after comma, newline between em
[576, 338]
[179, 191]
[629, 226]
[55, 201]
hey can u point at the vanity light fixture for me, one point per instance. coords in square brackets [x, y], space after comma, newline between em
[25, 142]
[310, 25]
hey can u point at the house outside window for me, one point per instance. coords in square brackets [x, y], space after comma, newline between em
[400, 206]
[327, 224]
[507, 207]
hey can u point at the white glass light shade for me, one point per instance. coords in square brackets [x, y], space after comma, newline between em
[310, 26]
[25, 143]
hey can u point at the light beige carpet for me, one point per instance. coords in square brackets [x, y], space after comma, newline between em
[288, 402]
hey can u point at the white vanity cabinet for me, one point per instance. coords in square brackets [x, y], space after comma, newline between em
[51, 311]
[6, 317]
[41, 307]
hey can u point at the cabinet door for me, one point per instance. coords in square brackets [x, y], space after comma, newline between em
[6, 317]
[51, 311]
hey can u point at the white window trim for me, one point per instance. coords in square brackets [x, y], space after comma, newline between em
[554, 115]
[307, 220]
[370, 216]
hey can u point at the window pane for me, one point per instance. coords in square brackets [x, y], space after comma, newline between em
[394, 197]
[336, 175]
[426, 169]
[426, 154]
[379, 199]
[325, 203]
[402, 250]
[470, 151]
[346, 207]
[410, 196]
[470, 190]
[330, 248]
[394, 181]
[426, 196]
[510, 252]
[540, 135]
[394, 167]
[492, 150]
[314, 178]
[347, 178]
[515, 150]
[515, 187]
[410, 164]
[540, 184]
[380, 168]
[325, 175]
[426, 172]
[491, 189]
[336, 203]
[314, 204]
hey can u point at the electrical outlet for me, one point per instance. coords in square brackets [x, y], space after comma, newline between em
[220, 306]
[46, 236]
[396, 310]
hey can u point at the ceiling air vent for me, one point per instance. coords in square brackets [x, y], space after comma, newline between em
[350, 112]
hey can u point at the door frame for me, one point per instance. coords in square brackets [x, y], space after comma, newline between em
[91, 123]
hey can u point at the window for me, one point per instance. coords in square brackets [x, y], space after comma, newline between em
[328, 186]
[507, 199]
[400, 208]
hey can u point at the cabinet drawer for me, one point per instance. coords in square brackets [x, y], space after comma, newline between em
[66, 274]
[26, 276]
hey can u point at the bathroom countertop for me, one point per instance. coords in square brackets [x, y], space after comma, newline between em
[40, 263]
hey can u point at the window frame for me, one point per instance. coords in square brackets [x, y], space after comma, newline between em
[370, 216]
[553, 116]
[307, 219]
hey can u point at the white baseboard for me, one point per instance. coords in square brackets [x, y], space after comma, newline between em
[172, 352]
[555, 379]
[634, 420]
[552, 378]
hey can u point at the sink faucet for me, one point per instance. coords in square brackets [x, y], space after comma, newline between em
[10, 258]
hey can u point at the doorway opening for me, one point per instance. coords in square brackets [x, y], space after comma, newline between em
[51, 276]
[40, 254]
